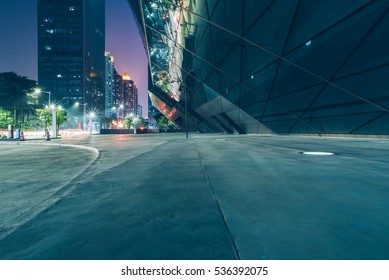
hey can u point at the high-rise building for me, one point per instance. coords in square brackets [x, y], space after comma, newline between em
[125, 101]
[130, 95]
[71, 45]
[293, 67]
[118, 93]
[109, 85]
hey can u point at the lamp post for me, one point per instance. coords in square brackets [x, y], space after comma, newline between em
[53, 111]
[84, 115]
[133, 119]
[54, 119]
[38, 91]
[91, 116]
[185, 92]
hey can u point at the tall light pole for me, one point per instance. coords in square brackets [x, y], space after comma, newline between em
[133, 121]
[91, 116]
[54, 119]
[38, 91]
[185, 92]
[53, 112]
[84, 116]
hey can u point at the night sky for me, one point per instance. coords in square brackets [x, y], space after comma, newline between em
[18, 45]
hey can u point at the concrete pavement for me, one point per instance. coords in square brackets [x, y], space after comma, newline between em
[162, 196]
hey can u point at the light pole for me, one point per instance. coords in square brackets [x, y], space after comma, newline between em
[185, 92]
[53, 112]
[38, 91]
[84, 116]
[133, 121]
[91, 116]
[54, 119]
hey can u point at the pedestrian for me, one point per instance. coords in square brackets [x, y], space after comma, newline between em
[22, 136]
[47, 135]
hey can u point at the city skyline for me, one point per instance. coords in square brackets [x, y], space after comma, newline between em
[19, 50]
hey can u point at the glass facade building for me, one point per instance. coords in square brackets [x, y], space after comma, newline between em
[71, 43]
[285, 66]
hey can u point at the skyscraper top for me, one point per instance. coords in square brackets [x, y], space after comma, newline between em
[126, 77]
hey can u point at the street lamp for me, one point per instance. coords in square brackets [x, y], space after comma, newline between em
[54, 119]
[134, 120]
[91, 116]
[38, 91]
[84, 116]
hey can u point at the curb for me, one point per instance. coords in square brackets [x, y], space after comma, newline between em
[93, 149]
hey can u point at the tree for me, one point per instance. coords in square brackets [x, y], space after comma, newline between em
[138, 122]
[14, 90]
[164, 122]
[61, 117]
[5, 118]
[132, 121]
[45, 117]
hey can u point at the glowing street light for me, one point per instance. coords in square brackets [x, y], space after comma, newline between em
[38, 91]
[84, 115]
[91, 116]
[54, 118]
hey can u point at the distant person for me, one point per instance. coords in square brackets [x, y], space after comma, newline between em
[47, 135]
[22, 136]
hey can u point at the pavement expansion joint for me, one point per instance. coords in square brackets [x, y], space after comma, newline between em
[234, 245]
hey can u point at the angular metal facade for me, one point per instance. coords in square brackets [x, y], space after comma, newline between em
[271, 66]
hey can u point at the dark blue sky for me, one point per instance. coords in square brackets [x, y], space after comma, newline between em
[18, 44]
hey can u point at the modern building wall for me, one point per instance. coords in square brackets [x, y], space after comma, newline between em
[298, 66]
[71, 40]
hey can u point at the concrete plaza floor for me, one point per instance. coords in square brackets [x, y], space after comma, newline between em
[161, 196]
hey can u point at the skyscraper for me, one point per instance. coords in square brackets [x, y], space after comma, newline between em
[71, 45]
[130, 95]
